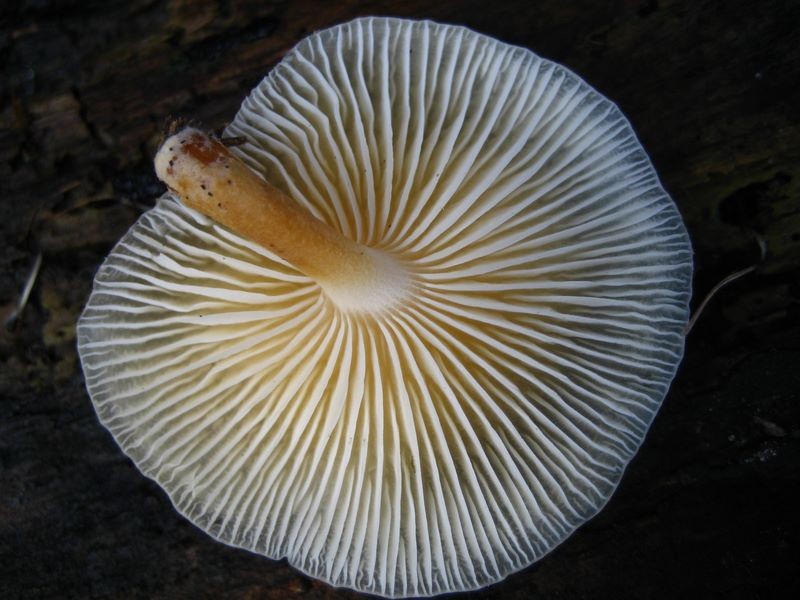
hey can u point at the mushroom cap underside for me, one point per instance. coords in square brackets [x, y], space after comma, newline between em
[458, 437]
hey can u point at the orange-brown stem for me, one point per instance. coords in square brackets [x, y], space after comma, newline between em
[211, 180]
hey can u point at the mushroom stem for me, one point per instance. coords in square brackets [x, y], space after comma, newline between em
[211, 180]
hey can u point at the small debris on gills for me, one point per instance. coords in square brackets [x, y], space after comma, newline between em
[232, 141]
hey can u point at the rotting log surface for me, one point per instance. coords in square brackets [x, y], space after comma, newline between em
[709, 507]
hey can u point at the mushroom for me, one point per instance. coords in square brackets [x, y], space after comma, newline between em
[426, 356]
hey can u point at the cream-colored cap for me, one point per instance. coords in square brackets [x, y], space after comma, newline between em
[462, 433]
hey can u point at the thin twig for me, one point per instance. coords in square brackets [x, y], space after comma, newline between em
[714, 290]
[26, 291]
[730, 278]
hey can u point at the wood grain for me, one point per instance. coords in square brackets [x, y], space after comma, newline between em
[709, 506]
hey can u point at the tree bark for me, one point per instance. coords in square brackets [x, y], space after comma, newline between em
[709, 506]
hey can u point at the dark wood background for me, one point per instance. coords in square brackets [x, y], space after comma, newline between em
[709, 508]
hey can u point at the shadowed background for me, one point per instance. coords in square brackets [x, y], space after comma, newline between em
[708, 508]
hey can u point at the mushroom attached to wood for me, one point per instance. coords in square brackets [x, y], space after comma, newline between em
[437, 358]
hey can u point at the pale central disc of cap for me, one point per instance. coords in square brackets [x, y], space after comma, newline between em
[388, 286]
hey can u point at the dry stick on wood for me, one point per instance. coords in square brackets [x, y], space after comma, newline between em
[729, 279]
[26, 292]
